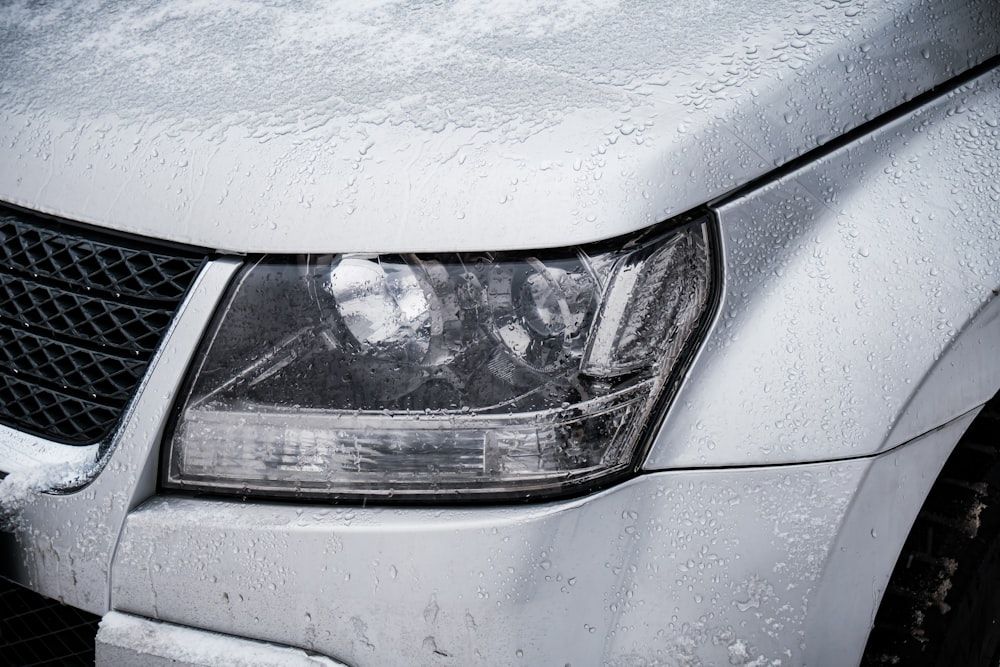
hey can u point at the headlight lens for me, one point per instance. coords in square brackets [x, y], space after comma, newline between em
[492, 375]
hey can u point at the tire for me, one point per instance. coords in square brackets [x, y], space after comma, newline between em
[942, 605]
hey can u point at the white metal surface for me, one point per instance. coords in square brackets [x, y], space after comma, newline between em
[860, 306]
[64, 543]
[682, 521]
[404, 126]
[680, 567]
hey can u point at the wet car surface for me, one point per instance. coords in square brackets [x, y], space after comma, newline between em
[462, 333]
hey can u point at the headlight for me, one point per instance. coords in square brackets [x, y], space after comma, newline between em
[491, 375]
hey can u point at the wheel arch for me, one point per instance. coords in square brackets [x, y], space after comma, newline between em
[871, 538]
[964, 377]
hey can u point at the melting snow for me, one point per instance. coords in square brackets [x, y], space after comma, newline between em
[18, 488]
[198, 647]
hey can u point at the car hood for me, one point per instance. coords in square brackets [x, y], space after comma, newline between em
[401, 126]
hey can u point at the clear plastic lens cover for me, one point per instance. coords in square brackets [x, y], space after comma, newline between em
[488, 374]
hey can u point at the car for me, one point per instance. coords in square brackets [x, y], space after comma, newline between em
[509, 333]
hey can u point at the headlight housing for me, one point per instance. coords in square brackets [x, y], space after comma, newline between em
[469, 375]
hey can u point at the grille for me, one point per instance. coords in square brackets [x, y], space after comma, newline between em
[35, 630]
[81, 314]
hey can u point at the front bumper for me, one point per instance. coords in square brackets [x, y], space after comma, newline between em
[733, 566]
[683, 567]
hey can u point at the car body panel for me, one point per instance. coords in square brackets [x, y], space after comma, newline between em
[65, 542]
[848, 286]
[868, 544]
[602, 577]
[61, 545]
[858, 289]
[678, 567]
[404, 127]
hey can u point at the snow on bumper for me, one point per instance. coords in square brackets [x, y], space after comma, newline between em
[129, 640]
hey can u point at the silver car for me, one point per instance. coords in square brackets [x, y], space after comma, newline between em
[530, 332]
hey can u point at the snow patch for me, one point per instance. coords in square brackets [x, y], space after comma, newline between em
[122, 634]
[19, 488]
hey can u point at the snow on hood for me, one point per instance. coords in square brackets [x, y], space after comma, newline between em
[398, 125]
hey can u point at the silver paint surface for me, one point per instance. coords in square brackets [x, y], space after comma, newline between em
[411, 126]
[671, 568]
[63, 545]
[860, 306]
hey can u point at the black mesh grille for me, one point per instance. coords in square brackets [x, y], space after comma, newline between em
[35, 630]
[81, 314]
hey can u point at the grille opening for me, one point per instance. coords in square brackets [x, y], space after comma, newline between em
[35, 630]
[81, 314]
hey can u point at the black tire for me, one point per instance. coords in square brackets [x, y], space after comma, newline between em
[942, 606]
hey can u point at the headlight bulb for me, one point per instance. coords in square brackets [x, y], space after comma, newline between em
[383, 305]
[539, 309]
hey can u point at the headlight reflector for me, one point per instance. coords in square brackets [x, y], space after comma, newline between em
[491, 375]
